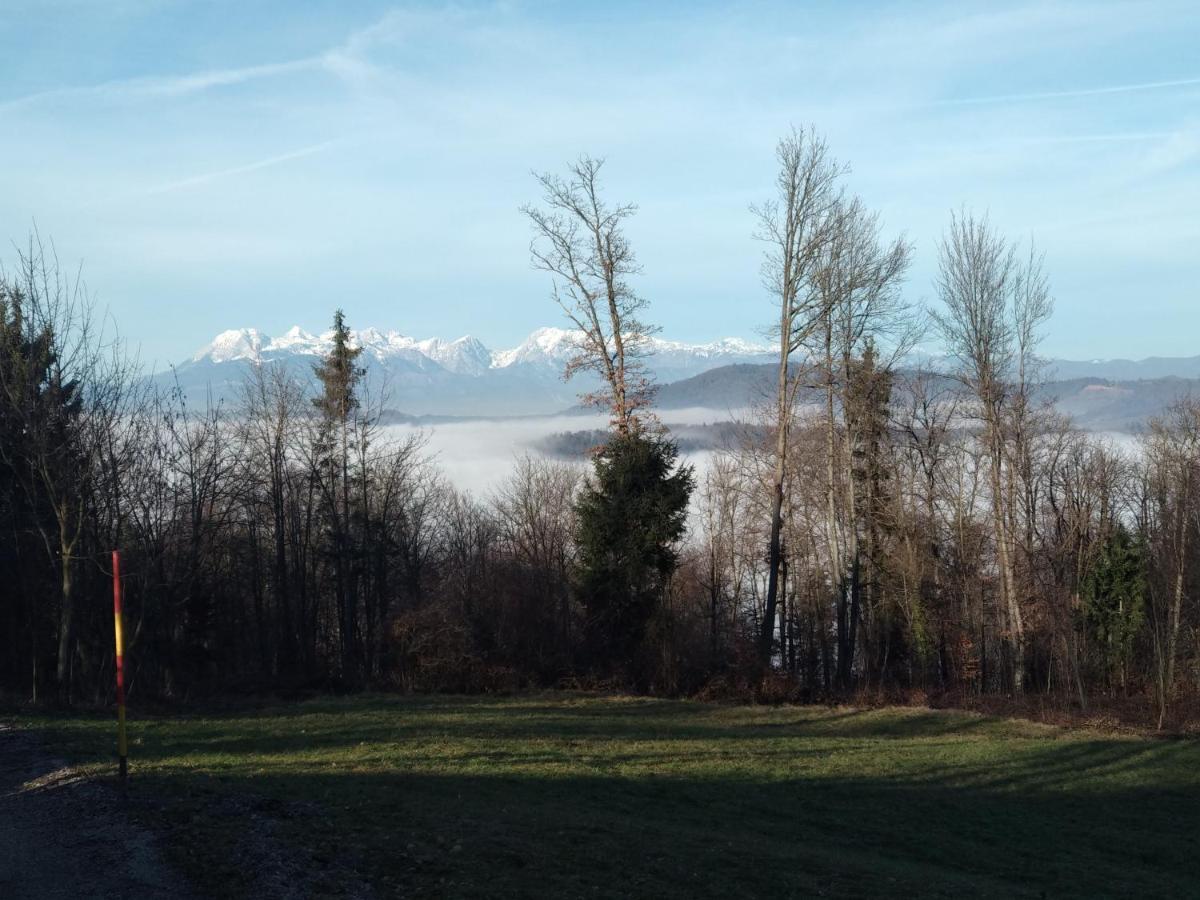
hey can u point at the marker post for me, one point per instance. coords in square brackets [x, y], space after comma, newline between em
[122, 746]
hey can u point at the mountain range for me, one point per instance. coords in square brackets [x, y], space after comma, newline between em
[435, 376]
[463, 377]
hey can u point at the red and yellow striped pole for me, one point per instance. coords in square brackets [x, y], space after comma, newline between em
[122, 747]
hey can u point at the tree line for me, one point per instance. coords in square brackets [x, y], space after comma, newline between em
[873, 526]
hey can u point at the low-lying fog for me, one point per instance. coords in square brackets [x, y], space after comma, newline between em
[479, 454]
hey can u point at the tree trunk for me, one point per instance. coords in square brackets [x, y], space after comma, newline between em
[1167, 679]
[66, 631]
[1000, 522]
[773, 555]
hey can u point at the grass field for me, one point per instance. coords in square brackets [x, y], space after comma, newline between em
[568, 795]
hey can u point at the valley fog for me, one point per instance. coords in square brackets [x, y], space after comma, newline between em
[478, 455]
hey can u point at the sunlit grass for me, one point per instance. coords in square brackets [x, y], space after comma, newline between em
[578, 795]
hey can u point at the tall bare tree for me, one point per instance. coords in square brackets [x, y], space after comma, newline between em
[796, 225]
[535, 509]
[580, 240]
[861, 312]
[995, 304]
[1173, 455]
[272, 401]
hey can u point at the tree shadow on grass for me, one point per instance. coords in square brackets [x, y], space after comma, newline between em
[326, 726]
[645, 798]
[506, 731]
[508, 834]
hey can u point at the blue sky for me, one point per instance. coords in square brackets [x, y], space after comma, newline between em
[223, 164]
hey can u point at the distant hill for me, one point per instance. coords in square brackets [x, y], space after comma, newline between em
[1097, 404]
[727, 387]
[1153, 367]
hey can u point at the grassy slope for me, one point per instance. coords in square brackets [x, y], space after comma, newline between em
[585, 796]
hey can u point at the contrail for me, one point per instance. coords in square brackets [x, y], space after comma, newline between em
[1063, 95]
[1123, 137]
[168, 85]
[206, 177]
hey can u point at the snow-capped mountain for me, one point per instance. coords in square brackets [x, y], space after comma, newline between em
[252, 345]
[546, 345]
[449, 377]
[466, 355]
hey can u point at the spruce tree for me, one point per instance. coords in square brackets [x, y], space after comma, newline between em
[631, 517]
[1114, 599]
[340, 375]
[46, 474]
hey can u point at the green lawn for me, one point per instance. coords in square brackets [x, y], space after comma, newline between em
[570, 795]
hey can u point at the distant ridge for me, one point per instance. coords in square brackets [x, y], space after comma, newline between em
[1128, 369]
[1095, 404]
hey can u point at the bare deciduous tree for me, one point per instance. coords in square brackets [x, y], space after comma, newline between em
[994, 307]
[1173, 456]
[580, 240]
[796, 225]
[857, 282]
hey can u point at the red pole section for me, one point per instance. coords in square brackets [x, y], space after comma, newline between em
[122, 747]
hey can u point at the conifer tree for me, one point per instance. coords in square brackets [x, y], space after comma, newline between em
[631, 517]
[339, 375]
[1114, 599]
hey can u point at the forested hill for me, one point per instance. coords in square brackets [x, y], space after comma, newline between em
[1096, 404]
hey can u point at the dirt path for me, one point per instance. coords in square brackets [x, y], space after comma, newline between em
[64, 836]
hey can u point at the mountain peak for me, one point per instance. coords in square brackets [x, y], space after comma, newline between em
[545, 344]
[463, 356]
[236, 343]
[292, 340]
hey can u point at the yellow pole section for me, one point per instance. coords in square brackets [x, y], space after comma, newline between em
[122, 744]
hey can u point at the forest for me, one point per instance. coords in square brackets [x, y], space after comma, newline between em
[871, 529]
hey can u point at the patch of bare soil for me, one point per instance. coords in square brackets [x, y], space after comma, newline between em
[63, 835]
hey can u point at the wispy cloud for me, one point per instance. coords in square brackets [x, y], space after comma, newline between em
[346, 60]
[1179, 149]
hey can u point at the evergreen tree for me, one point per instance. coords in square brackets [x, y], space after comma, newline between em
[631, 517]
[867, 400]
[340, 375]
[41, 420]
[1114, 595]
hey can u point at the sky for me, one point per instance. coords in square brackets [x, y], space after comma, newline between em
[214, 165]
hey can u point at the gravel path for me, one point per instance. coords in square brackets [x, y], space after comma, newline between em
[62, 835]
